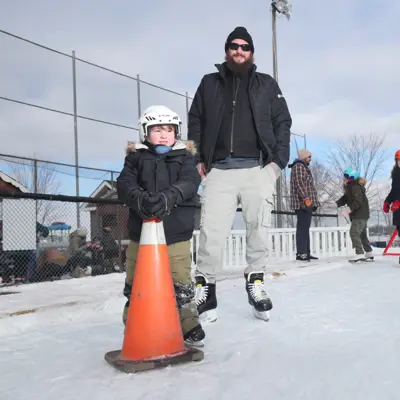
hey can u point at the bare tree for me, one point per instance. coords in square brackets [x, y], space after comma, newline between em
[321, 177]
[377, 204]
[362, 152]
[41, 178]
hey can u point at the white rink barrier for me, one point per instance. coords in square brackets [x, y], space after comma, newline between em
[325, 242]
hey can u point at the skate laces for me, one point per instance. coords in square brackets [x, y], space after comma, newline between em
[257, 290]
[200, 294]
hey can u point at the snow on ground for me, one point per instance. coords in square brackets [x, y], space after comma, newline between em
[332, 335]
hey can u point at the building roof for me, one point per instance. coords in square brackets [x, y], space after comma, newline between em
[103, 188]
[6, 178]
[102, 191]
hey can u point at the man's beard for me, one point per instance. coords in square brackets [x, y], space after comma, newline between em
[239, 69]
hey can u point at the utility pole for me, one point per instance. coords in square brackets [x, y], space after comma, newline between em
[283, 7]
[75, 101]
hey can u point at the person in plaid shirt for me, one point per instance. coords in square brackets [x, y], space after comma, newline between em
[303, 200]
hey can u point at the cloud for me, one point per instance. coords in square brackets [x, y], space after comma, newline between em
[337, 67]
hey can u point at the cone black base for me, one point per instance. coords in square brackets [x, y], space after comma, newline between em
[132, 367]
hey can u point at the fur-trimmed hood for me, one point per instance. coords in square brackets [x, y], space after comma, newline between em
[189, 145]
[362, 181]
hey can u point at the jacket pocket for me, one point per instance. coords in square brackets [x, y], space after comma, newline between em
[266, 216]
[202, 211]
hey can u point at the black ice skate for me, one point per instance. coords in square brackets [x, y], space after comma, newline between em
[205, 299]
[302, 257]
[195, 337]
[257, 295]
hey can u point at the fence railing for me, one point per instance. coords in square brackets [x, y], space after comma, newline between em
[324, 242]
[34, 252]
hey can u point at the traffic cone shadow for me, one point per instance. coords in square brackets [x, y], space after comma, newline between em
[153, 335]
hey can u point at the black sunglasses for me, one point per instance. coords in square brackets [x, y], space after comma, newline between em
[235, 46]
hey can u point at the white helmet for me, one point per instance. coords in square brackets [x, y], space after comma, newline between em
[158, 115]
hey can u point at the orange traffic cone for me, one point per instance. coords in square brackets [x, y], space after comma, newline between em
[153, 336]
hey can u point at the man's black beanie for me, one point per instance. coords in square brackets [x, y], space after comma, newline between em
[239, 33]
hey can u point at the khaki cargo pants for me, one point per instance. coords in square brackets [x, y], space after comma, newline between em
[180, 260]
[358, 236]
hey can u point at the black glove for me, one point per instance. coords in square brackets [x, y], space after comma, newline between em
[138, 201]
[163, 203]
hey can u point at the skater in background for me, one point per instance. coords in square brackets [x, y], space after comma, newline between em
[159, 176]
[355, 198]
[303, 200]
[392, 201]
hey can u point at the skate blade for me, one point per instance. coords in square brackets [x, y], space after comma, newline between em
[191, 343]
[263, 315]
[208, 317]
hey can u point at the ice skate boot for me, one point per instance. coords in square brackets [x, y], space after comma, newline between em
[257, 295]
[205, 299]
[357, 258]
[369, 255]
[195, 337]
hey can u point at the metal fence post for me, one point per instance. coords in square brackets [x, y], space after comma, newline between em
[78, 217]
[305, 141]
[187, 106]
[139, 105]
[35, 185]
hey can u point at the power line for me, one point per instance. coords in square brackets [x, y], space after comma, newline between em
[58, 163]
[67, 113]
[92, 64]
[55, 170]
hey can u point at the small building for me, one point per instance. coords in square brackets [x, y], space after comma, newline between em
[10, 185]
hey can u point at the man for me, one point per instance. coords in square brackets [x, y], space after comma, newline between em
[303, 200]
[241, 125]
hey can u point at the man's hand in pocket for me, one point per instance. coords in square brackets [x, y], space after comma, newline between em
[276, 169]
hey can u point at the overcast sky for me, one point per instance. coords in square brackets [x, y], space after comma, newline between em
[338, 67]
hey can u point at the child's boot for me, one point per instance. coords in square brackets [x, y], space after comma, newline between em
[195, 336]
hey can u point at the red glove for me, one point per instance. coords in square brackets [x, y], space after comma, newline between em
[307, 202]
[395, 205]
[386, 207]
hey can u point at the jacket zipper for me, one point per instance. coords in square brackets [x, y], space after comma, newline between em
[155, 174]
[235, 90]
[218, 124]
[257, 129]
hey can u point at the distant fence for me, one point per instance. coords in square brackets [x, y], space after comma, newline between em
[324, 242]
[34, 252]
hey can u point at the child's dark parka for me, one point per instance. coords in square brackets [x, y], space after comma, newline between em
[355, 198]
[176, 171]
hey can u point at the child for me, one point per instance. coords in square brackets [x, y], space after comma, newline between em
[355, 198]
[159, 176]
[393, 198]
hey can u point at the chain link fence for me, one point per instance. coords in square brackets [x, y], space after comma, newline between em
[34, 252]
[31, 251]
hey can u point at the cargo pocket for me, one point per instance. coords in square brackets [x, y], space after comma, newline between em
[266, 217]
[202, 211]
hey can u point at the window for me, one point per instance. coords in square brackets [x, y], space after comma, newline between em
[109, 220]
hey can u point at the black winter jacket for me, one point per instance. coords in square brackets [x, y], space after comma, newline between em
[355, 197]
[152, 172]
[394, 194]
[270, 113]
